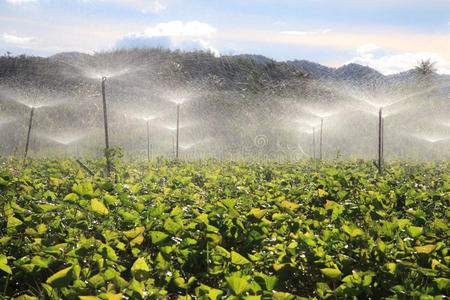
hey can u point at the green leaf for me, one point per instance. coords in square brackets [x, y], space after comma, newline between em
[83, 189]
[108, 253]
[283, 296]
[61, 278]
[41, 261]
[229, 203]
[110, 200]
[267, 281]
[443, 284]
[99, 207]
[13, 222]
[238, 259]
[89, 298]
[212, 293]
[352, 230]
[3, 264]
[131, 234]
[172, 226]
[427, 249]
[237, 284]
[140, 269]
[26, 297]
[158, 236]
[331, 273]
[110, 296]
[96, 281]
[414, 231]
[72, 197]
[332, 172]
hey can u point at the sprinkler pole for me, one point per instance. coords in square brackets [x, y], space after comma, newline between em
[380, 140]
[321, 135]
[28, 134]
[173, 145]
[105, 117]
[314, 143]
[148, 140]
[178, 128]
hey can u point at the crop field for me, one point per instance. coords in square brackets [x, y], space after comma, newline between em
[224, 230]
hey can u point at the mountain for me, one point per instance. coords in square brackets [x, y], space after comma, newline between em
[317, 70]
[69, 56]
[353, 73]
[357, 73]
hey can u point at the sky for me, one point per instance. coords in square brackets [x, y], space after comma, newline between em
[390, 36]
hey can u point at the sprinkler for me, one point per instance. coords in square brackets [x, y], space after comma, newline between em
[321, 135]
[382, 137]
[178, 129]
[105, 116]
[148, 140]
[380, 141]
[314, 142]
[28, 134]
[173, 145]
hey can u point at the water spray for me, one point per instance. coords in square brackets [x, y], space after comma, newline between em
[105, 116]
[28, 134]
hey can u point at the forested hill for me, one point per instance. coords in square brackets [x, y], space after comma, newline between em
[156, 67]
[248, 74]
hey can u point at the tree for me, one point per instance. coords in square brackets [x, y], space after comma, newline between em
[426, 67]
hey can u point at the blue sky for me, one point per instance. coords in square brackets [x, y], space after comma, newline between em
[390, 36]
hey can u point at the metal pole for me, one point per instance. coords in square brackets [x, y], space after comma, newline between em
[178, 128]
[28, 134]
[84, 167]
[314, 143]
[380, 140]
[105, 116]
[148, 140]
[173, 145]
[321, 134]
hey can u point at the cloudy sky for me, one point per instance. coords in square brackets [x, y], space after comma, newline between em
[388, 35]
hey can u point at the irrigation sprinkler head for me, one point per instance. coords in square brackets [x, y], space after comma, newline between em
[104, 73]
[178, 101]
[104, 78]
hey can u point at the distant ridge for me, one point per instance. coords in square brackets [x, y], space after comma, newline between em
[243, 72]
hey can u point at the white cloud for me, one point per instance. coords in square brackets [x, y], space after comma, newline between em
[367, 48]
[189, 36]
[20, 1]
[180, 29]
[144, 6]
[399, 62]
[16, 40]
[294, 32]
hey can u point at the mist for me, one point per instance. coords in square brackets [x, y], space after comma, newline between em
[230, 108]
